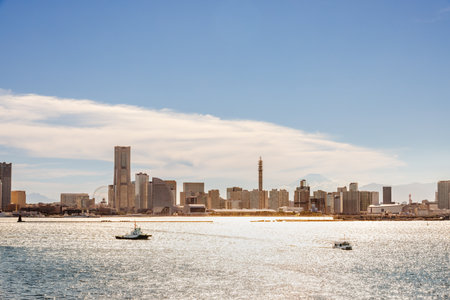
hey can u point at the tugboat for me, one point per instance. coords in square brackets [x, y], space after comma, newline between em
[136, 234]
[344, 245]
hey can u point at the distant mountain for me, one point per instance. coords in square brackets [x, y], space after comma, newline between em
[36, 198]
[400, 193]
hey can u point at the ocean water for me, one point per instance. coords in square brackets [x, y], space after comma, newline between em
[223, 258]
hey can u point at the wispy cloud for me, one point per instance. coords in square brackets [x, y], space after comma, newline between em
[439, 15]
[178, 145]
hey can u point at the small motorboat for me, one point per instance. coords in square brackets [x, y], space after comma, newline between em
[135, 234]
[344, 245]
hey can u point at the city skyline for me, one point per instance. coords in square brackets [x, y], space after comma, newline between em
[342, 93]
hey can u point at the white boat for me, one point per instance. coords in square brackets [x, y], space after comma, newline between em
[344, 245]
[135, 234]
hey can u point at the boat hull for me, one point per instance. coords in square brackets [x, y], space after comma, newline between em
[139, 237]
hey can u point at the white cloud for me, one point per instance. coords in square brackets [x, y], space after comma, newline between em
[178, 145]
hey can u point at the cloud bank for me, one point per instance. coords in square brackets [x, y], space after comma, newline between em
[170, 144]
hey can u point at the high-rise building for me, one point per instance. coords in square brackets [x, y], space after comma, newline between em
[260, 174]
[353, 186]
[19, 198]
[5, 178]
[141, 191]
[214, 200]
[302, 196]
[161, 197]
[387, 195]
[278, 198]
[172, 184]
[258, 199]
[375, 198]
[193, 193]
[365, 199]
[443, 194]
[351, 203]
[123, 190]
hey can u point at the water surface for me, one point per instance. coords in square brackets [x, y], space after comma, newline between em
[229, 257]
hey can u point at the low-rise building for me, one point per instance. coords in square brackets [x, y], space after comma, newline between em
[385, 209]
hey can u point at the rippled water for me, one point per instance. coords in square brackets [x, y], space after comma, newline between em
[225, 258]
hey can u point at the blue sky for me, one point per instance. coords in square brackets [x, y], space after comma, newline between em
[373, 74]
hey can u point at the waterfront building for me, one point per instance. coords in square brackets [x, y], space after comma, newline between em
[76, 200]
[387, 195]
[173, 188]
[193, 193]
[443, 194]
[338, 202]
[302, 196]
[365, 199]
[214, 201]
[329, 205]
[123, 189]
[391, 208]
[375, 198]
[194, 209]
[274, 199]
[350, 203]
[320, 200]
[161, 197]
[258, 199]
[353, 187]
[19, 198]
[234, 193]
[141, 191]
[5, 178]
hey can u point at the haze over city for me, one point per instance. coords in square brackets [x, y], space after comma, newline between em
[332, 92]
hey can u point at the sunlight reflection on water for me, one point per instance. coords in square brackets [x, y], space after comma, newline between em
[226, 258]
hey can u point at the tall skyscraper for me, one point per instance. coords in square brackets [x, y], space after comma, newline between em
[443, 194]
[387, 195]
[260, 174]
[123, 190]
[5, 178]
[173, 188]
[141, 190]
[161, 197]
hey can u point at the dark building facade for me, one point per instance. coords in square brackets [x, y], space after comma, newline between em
[5, 178]
[387, 195]
[162, 197]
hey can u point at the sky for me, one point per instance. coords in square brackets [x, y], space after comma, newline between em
[339, 91]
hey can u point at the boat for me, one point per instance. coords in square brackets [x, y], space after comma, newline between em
[135, 234]
[344, 245]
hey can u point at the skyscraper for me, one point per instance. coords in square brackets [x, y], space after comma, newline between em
[443, 194]
[161, 197]
[387, 195]
[141, 190]
[5, 178]
[353, 186]
[123, 190]
[260, 174]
